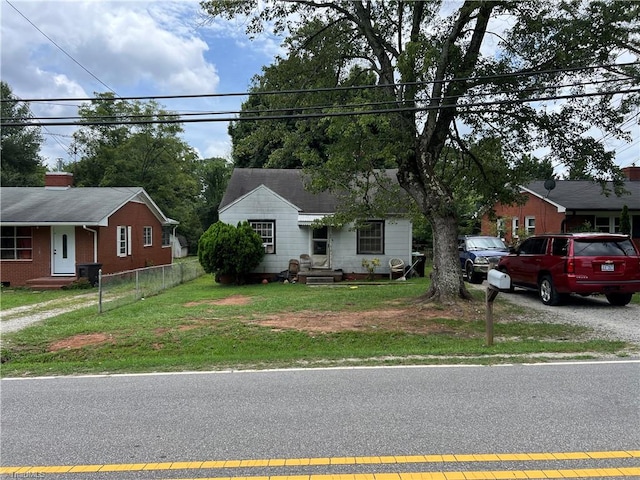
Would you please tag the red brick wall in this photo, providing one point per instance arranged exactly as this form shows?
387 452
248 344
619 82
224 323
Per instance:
548 220
136 215
17 272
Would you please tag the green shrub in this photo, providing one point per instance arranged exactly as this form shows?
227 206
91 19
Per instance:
225 250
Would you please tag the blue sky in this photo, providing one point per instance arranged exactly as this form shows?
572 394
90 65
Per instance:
145 48
136 48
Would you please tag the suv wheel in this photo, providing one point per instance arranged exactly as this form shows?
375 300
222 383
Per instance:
548 293
619 299
472 276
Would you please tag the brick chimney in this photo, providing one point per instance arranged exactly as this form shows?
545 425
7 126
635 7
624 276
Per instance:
632 173
58 180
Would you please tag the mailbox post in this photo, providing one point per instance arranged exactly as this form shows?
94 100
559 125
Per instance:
497 281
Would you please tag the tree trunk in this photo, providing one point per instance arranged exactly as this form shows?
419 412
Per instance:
446 278
435 201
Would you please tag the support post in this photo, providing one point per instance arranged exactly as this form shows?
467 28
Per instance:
492 293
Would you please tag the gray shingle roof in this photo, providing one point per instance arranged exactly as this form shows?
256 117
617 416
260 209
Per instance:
79 206
586 195
288 183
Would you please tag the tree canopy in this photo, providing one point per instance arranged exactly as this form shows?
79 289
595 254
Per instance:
22 165
147 154
465 94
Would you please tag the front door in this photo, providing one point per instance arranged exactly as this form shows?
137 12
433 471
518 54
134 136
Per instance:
64 250
320 257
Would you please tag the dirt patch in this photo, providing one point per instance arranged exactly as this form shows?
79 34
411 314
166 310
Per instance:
232 300
79 341
411 320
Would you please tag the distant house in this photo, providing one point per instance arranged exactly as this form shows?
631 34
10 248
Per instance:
569 206
278 207
49 232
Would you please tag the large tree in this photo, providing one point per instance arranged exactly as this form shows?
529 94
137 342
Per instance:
22 165
468 86
125 143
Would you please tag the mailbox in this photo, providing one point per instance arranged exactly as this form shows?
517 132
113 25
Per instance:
498 279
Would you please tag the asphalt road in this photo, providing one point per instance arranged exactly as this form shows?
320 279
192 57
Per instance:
322 413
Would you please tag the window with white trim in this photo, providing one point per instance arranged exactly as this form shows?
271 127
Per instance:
530 225
607 224
515 224
267 231
16 243
123 240
370 237
166 236
147 236
500 227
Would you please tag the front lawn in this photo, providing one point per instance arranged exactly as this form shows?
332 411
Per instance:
202 325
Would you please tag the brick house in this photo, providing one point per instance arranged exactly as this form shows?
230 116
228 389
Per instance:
571 205
49 233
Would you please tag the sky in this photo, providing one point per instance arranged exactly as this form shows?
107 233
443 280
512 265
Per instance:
74 48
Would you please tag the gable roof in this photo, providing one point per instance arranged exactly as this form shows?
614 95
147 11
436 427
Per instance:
586 195
70 206
287 183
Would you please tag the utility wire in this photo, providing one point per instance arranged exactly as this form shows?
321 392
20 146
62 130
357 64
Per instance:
88 122
307 107
479 80
59 48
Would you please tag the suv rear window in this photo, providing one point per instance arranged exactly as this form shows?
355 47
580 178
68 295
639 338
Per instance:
596 248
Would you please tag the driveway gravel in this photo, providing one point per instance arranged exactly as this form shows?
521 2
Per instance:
617 323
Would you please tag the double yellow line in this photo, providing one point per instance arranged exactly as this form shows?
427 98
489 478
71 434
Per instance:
633 471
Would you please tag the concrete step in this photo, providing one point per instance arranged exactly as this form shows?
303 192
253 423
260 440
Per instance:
319 280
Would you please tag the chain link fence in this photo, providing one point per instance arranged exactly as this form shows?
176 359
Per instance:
117 289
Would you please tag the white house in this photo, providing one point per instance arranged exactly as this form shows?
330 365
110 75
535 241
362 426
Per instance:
280 209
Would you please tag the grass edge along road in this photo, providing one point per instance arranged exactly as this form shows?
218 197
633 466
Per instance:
201 325
566 470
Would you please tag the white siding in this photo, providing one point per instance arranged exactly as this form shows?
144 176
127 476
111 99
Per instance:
292 240
397 244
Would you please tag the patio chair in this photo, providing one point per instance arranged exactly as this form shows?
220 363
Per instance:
396 265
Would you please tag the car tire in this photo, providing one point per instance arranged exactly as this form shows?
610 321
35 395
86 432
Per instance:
547 291
619 299
472 276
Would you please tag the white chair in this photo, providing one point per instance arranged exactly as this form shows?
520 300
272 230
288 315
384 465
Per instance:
396 265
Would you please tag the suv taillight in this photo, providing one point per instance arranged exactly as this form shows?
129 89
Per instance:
570 266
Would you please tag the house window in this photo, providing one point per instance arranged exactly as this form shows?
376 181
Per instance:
515 224
530 225
166 236
267 230
607 224
371 237
16 243
500 227
147 236
123 240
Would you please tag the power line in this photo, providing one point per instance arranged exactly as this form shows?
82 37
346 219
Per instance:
479 80
59 48
304 107
178 119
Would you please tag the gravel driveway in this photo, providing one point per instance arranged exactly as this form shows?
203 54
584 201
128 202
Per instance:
595 312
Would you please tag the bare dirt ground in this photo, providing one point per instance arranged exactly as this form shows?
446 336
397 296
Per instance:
409 319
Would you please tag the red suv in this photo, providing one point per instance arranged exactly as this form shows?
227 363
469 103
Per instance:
583 263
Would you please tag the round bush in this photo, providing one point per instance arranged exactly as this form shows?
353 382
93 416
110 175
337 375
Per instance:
227 250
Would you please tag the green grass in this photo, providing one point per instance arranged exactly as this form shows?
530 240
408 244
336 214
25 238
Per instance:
183 329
